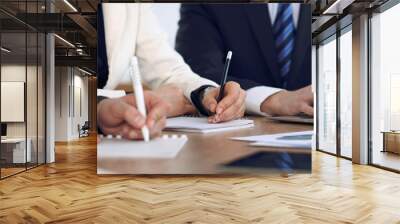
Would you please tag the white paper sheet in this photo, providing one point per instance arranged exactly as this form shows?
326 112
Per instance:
301 139
200 124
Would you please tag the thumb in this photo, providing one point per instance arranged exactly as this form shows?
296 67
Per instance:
307 109
210 101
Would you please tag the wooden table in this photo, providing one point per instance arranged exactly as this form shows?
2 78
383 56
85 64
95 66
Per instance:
205 153
391 141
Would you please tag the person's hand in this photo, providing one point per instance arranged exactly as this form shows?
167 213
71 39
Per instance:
174 97
230 107
289 103
119 116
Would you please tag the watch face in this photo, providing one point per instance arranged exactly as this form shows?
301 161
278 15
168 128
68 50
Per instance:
206 90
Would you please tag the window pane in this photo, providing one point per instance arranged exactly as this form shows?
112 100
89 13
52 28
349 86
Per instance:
327 97
346 94
31 97
385 88
15 150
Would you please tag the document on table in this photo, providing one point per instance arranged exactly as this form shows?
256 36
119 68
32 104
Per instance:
301 139
201 125
293 119
163 147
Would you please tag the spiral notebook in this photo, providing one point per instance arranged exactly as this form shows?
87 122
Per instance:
201 125
163 147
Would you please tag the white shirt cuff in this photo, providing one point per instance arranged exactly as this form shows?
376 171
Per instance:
111 93
256 96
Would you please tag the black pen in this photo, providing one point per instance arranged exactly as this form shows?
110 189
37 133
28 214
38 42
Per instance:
224 76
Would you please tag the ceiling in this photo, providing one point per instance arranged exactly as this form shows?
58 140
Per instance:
75 21
72 20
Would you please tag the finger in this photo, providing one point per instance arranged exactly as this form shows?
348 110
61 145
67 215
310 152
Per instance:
120 110
111 130
131 133
232 93
229 113
307 109
209 100
234 110
308 94
116 130
213 119
124 130
241 112
134 134
157 112
153 103
134 118
158 127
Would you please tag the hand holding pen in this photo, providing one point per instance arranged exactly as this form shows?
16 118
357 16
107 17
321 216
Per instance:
226 102
120 116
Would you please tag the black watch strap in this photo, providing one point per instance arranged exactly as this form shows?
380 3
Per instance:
197 97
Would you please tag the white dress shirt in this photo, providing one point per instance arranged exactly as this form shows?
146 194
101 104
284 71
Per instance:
133 30
256 95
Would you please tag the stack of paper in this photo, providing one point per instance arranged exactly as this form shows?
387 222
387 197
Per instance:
200 124
301 139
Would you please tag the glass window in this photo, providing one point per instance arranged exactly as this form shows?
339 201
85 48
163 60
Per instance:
22 87
385 87
31 96
327 96
14 151
346 94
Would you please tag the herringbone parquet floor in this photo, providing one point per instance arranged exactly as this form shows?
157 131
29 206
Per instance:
69 191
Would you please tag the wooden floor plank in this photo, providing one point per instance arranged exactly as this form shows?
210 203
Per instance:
69 191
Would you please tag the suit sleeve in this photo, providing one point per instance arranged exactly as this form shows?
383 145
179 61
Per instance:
200 43
160 64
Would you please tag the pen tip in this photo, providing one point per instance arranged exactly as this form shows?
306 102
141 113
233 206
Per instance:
229 55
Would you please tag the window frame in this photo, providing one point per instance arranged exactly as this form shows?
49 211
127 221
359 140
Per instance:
378 10
342 27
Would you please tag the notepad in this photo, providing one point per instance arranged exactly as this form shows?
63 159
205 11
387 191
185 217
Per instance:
164 147
201 125
301 139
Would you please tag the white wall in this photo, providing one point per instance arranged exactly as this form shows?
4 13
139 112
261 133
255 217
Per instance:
80 85
168 17
61 103
69 85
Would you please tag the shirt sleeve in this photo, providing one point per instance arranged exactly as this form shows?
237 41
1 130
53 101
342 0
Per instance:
160 64
256 96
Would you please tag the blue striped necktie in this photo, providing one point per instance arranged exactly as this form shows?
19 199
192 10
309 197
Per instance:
284 34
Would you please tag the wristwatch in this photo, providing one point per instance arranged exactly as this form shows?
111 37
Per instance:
197 99
205 91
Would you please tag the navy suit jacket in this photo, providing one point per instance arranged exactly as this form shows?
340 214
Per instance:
208 31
